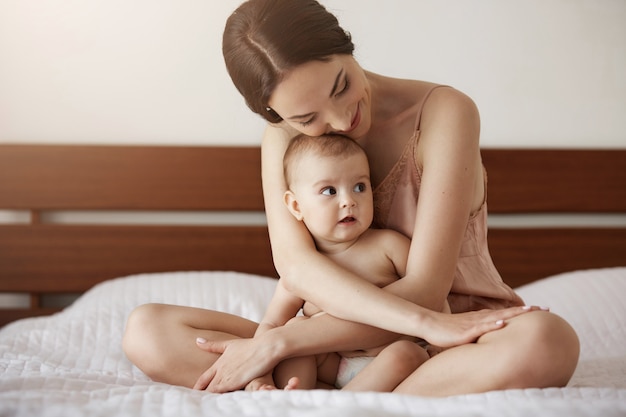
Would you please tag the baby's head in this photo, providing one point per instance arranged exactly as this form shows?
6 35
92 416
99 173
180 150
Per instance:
325 146
329 186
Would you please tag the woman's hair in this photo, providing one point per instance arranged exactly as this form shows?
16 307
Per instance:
325 146
264 39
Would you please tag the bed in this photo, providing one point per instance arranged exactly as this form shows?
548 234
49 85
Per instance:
90 232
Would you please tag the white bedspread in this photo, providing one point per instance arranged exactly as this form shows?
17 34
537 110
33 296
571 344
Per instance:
71 364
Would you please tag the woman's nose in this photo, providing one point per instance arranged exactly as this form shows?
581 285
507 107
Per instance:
339 121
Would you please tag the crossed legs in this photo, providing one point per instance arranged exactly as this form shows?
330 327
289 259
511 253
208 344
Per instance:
536 349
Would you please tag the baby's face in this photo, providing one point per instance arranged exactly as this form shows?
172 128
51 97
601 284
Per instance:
334 196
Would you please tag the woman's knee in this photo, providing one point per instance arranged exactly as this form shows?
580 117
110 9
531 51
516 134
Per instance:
141 325
548 348
563 347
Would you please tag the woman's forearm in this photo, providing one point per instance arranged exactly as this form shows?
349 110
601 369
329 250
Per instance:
343 294
322 334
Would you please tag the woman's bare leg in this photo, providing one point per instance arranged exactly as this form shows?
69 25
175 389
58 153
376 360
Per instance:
389 368
160 340
537 349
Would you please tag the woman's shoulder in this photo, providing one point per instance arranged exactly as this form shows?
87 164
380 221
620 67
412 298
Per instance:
279 131
407 92
276 137
445 100
433 95
449 113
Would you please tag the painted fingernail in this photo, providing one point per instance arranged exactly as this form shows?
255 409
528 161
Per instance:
200 340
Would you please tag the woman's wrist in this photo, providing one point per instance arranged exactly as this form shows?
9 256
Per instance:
419 322
276 341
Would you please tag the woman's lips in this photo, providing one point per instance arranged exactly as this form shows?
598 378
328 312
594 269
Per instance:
355 121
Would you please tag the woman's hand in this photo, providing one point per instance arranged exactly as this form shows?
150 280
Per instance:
448 330
242 361
263 383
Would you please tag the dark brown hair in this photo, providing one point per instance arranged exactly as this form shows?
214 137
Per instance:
325 145
264 39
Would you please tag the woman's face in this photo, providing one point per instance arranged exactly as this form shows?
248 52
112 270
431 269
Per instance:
319 97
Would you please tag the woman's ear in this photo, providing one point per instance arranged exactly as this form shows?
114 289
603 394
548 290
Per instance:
292 204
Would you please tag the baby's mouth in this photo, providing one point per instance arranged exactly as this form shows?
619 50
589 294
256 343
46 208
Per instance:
348 219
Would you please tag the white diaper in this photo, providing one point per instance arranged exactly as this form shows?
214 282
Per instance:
349 367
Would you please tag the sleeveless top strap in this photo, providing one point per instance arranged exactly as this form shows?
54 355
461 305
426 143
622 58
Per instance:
421 106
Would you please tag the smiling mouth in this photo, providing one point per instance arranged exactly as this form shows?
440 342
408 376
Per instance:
355 121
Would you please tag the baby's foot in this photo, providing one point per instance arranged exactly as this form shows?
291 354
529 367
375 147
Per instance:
292 383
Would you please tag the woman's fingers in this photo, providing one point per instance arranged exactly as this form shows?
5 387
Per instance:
460 328
508 313
496 319
213 346
205 379
240 361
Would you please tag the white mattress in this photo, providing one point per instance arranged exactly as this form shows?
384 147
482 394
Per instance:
71 364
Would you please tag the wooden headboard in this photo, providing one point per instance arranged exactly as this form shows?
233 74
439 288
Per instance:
40 257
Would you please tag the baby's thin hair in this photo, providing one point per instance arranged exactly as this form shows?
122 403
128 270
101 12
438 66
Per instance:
325 146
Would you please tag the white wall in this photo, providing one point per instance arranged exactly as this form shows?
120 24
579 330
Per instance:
543 72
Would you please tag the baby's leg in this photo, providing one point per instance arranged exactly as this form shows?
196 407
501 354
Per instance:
304 369
308 372
389 368
161 340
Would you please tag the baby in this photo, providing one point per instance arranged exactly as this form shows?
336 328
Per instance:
329 190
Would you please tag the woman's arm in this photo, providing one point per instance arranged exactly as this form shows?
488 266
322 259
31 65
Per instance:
452 187
311 275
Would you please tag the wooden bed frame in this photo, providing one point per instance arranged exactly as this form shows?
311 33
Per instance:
39 257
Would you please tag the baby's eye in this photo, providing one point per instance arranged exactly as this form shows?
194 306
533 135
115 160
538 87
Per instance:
329 191
360 187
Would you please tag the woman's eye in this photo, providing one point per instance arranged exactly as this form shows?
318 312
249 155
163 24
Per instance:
360 187
329 191
346 85
306 123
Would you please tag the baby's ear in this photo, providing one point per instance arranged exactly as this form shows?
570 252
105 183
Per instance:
292 204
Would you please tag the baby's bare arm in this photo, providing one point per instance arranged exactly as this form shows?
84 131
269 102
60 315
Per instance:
283 307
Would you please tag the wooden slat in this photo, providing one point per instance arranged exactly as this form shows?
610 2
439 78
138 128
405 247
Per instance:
228 178
567 181
72 258
130 177
525 255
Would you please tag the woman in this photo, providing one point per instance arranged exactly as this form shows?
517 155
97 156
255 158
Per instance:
293 64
